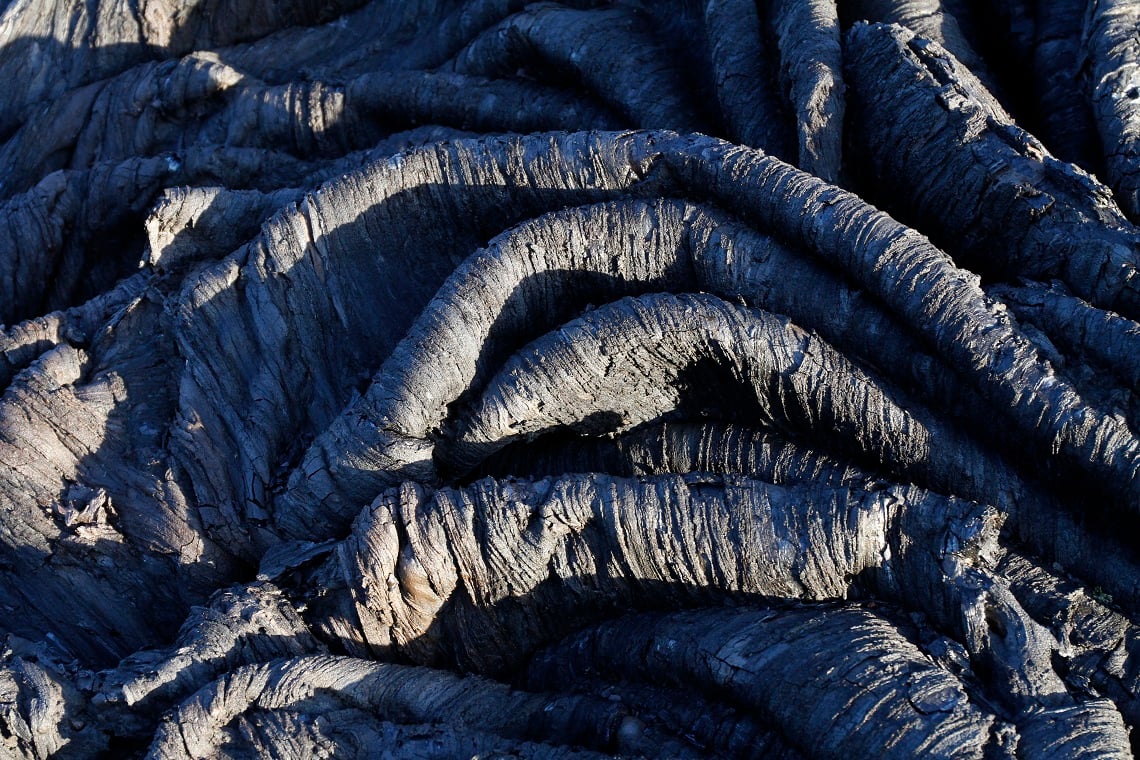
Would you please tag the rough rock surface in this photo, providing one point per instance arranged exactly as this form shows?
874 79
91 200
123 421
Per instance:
455 378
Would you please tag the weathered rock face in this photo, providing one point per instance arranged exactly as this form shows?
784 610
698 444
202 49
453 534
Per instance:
442 379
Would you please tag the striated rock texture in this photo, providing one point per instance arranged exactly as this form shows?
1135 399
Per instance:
688 378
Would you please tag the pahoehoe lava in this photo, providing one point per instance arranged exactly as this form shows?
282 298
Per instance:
492 378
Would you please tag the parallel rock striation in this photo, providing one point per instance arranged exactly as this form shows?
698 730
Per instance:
574 379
